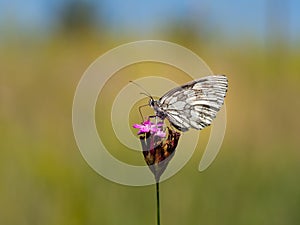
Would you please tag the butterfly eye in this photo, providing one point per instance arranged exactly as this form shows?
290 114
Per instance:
151 102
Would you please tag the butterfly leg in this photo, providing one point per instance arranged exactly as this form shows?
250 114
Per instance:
154 116
142 106
157 121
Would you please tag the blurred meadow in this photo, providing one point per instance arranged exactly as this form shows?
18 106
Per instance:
45 50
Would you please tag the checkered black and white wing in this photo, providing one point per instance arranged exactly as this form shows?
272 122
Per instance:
194 104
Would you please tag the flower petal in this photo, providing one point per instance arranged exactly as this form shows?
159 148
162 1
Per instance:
160 133
138 126
147 123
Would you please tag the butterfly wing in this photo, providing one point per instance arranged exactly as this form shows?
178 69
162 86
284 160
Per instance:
194 104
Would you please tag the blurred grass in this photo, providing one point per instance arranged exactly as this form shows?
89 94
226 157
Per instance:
44 179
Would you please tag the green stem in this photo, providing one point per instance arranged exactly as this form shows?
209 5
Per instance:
157 202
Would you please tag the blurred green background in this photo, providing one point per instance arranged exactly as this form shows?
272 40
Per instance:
45 47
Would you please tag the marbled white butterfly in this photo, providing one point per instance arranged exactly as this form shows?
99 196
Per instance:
194 104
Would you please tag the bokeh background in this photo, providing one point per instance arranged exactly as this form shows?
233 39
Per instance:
45 47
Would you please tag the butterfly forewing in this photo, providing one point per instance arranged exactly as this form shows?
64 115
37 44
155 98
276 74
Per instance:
194 104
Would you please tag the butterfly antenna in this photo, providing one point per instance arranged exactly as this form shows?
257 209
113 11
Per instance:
145 91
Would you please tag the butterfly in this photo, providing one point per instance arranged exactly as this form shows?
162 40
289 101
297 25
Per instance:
194 104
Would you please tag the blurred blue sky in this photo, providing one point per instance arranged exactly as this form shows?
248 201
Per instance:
232 18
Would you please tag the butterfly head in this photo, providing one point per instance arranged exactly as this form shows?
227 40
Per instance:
151 102
158 111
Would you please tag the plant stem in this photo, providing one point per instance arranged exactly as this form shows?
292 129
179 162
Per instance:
157 202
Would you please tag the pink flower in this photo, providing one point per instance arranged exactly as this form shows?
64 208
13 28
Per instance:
147 126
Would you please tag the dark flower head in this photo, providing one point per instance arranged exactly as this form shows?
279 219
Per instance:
158 145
